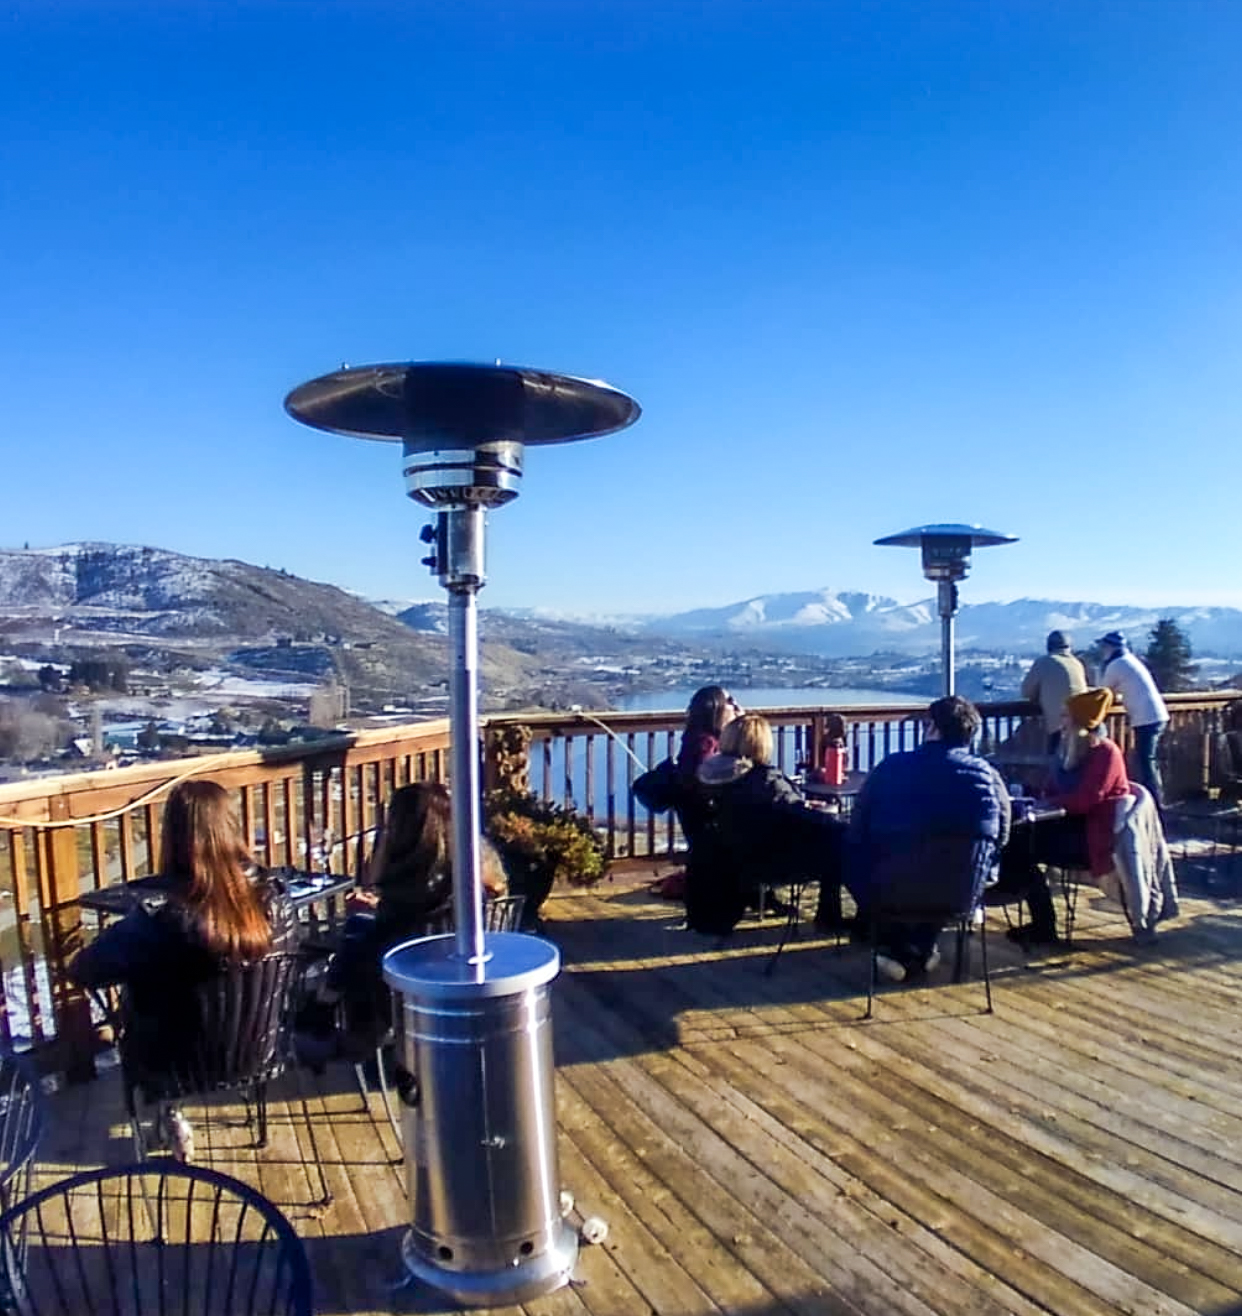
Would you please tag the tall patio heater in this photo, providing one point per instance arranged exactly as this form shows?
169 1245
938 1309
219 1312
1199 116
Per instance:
480 1126
946 560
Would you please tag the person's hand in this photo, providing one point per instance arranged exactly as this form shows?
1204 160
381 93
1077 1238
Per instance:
363 900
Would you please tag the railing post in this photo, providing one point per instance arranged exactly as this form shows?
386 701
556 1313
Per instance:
62 922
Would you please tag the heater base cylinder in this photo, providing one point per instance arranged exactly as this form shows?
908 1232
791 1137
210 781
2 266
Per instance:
480 1129
526 1279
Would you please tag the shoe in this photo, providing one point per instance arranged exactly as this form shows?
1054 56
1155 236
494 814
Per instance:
976 919
887 967
932 962
1145 937
180 1136
1027 935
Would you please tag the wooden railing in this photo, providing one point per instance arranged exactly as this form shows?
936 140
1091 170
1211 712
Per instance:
317 805
588 761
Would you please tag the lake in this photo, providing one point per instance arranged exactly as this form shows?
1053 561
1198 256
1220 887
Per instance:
569 756
767 697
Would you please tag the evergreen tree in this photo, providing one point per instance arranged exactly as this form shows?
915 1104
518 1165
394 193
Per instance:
1168 656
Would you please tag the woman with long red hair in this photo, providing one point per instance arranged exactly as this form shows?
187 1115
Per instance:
220 908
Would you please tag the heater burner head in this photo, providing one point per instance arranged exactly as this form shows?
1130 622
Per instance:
486 476
436 406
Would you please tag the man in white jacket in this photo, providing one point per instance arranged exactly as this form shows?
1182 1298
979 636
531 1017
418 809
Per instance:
1127 676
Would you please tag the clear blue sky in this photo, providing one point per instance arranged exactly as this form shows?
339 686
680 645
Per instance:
865 265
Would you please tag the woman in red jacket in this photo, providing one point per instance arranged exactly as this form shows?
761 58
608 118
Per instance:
1088 777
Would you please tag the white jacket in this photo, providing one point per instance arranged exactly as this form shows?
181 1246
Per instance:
1142 866
1127 676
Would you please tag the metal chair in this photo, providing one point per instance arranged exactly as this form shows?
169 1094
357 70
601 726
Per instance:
158 1237
22 1117
501 914
22 1120
236 1036
937 879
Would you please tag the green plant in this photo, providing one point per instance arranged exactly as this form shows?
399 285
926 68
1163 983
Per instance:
543 841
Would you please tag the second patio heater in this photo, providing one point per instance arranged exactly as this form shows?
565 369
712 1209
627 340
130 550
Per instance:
480 1124
946 560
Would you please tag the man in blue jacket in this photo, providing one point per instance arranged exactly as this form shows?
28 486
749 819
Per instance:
918 811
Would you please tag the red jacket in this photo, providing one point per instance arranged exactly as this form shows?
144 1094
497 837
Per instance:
1101 779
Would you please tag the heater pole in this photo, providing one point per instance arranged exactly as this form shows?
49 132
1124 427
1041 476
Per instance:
462 575
947 592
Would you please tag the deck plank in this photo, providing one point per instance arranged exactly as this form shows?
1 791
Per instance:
756 1148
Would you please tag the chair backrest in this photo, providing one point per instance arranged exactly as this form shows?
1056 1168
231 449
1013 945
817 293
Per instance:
22 1115
503 913
152 1238
1233 747
235 1032
934 876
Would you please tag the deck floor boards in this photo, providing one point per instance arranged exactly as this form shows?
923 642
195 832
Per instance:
757 1149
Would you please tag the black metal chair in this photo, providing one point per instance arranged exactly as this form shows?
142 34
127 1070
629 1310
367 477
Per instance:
236 1036
22 1118
935 880
811 854
158 1237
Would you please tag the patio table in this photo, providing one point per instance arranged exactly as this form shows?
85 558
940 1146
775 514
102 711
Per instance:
306 890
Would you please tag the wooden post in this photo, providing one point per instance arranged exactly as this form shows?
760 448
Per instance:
62 923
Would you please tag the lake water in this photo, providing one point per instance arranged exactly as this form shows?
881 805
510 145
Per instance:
569 764
758 699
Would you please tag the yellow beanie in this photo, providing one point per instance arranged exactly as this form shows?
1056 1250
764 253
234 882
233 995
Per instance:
1090 708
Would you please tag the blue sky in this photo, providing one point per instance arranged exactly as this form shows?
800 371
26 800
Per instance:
864 265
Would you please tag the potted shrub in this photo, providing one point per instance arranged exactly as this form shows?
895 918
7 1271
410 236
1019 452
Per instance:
541 844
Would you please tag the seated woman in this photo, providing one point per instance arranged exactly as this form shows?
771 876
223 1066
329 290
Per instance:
220 909
406 892
759 830
1088 777
674 783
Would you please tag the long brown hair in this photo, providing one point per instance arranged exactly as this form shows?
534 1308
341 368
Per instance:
202 847
416 840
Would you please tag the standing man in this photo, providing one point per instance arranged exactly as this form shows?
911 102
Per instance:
1051 681
909 802
1125 675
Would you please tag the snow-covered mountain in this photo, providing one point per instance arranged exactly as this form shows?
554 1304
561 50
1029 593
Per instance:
848 623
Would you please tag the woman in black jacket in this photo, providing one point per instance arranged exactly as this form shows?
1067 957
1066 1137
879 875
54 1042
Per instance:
407 892
219 909
760 832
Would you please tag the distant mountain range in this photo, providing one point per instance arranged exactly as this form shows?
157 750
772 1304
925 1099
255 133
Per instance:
179 608
847 623
852 624
123 593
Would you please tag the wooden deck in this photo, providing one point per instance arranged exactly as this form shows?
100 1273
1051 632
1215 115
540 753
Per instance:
756 1149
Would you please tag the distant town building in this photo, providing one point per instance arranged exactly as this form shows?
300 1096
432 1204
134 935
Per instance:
329 704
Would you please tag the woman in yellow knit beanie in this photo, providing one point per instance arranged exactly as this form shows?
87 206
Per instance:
1090 773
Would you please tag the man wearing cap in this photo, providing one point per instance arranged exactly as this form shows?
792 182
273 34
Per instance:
1125 675
1051 681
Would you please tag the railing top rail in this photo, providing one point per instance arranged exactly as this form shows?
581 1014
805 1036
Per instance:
642 720
163 772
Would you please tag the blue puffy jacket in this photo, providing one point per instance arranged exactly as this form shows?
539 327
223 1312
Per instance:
909 805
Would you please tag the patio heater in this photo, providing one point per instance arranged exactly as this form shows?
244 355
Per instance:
946 560
480 1126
